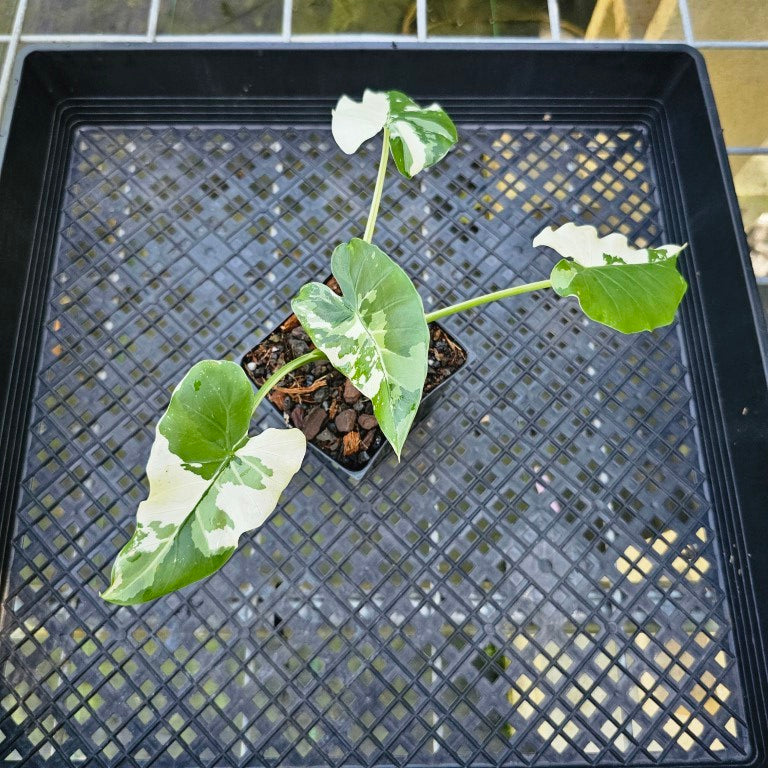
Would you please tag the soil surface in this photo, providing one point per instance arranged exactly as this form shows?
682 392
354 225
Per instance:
324 404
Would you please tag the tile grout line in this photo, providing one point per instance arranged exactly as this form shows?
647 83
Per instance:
421 20
224 39
287 19
350 38
554 19
747 150
344 37
746 44
10 54
83 38
685 18
154 14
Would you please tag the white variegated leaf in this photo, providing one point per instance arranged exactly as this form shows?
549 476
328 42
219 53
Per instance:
208 484
375 333
583 244
419 136
625 288
354 122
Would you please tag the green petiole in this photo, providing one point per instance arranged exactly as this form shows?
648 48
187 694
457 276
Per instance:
283 371
486 298
378 189
438 314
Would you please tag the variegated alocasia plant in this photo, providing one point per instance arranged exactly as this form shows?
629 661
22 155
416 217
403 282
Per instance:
209 482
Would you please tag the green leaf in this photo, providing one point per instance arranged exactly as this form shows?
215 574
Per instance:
375 333
208 415
419 136
208 483
624 288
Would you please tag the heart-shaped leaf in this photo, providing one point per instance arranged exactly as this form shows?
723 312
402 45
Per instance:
208 483
619 286
419 136
374 333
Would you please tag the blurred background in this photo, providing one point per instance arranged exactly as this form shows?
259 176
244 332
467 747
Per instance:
733 37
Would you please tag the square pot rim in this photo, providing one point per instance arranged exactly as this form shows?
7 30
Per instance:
428 398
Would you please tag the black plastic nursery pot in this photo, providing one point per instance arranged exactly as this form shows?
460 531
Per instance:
447 358
566 566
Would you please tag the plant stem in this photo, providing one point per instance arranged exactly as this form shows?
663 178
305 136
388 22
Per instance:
494 27
316 354
377 190
282 372
438 314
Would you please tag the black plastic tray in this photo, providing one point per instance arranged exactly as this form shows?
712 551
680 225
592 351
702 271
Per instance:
566 568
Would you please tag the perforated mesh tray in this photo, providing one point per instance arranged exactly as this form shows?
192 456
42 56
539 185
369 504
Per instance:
559 570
